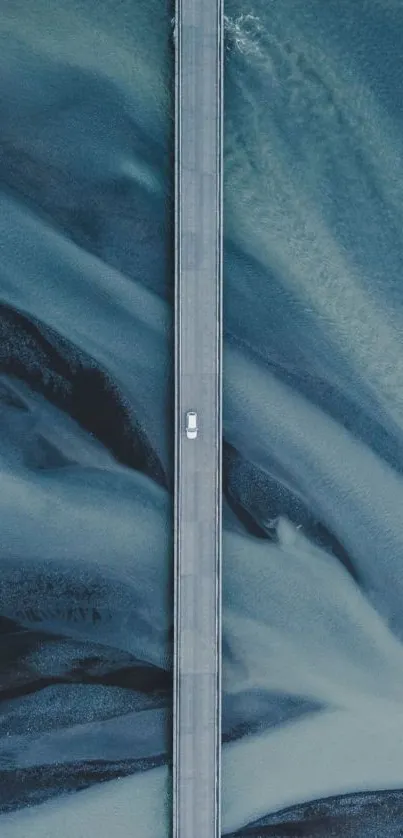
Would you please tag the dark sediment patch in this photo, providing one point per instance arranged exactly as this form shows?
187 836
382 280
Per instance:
73 382
362 815
33 786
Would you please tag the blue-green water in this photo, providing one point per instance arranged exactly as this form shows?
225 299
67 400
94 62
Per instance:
313 540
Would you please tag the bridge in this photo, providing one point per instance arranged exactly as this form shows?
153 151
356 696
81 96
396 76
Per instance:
198 386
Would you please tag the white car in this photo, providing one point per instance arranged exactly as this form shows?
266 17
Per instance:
191 424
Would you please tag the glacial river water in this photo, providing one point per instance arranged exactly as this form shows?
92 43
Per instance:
313 418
